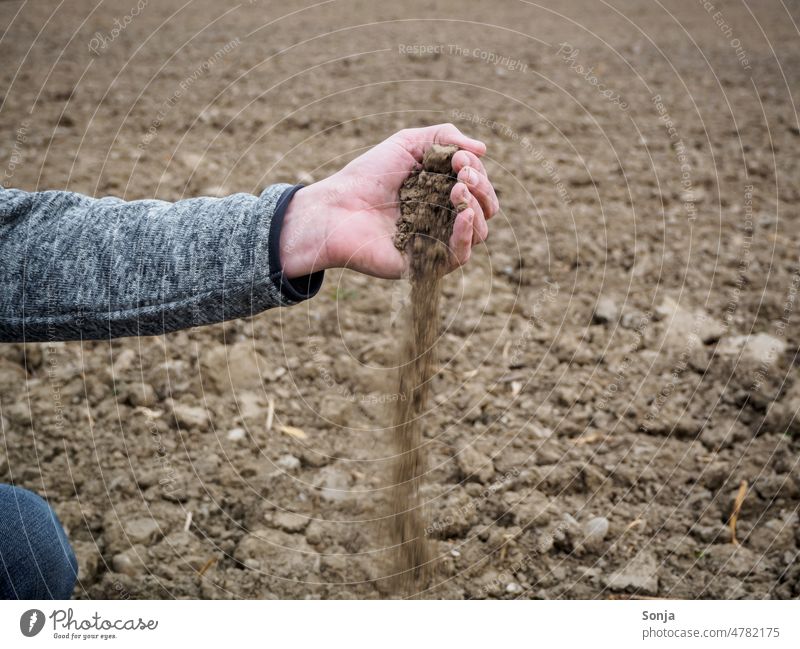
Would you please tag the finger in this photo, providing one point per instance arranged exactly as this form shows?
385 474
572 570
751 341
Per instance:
482 189
449 134
461 197
418 140
461 239
463 158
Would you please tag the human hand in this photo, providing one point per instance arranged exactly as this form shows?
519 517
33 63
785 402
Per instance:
348 220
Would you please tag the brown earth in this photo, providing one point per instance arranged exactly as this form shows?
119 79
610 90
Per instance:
423 232
618 357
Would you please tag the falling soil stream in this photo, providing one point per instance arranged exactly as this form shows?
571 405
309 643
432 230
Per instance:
423 231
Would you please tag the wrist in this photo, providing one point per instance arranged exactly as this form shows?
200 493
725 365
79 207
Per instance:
303 237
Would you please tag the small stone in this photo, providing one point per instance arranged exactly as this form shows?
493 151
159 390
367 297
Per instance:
735 560
455 553
685 328
567 534
334 485
474 465
311 457
315 533
191 416
758 348
289 521
513 588
533 509
251 406
142 394
142 531
12 375
286 556
234 368
541 432
338 410
237 434
605 311
126 563
594 533
288 462
639 575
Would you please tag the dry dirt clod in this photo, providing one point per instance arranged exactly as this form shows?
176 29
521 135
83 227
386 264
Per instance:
423 230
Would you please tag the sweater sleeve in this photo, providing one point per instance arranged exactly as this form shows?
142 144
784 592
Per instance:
74 267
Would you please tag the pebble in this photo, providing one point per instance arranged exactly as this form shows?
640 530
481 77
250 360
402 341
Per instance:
474 465
234 367
125 564
605 311
758 348
594 533
315 533
237 434
285 556
142 530
338 410
334 485
142 394
683 327
513 588
289 521
639 575
288 462
191 416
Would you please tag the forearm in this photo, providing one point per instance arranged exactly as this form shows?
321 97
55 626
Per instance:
75 267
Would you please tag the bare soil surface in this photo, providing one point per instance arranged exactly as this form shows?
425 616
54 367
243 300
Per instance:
617 358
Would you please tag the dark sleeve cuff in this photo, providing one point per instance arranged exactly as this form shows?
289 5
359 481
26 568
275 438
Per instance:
296 289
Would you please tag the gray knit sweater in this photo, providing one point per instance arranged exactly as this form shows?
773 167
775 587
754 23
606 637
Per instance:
74 267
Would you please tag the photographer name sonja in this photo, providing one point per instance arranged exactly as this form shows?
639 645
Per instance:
64 620
662 616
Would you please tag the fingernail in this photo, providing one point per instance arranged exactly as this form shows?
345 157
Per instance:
470 175
465 193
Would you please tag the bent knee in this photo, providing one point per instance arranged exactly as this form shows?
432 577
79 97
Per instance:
36 560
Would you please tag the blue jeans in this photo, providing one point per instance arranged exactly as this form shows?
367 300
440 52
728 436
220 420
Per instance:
36 560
